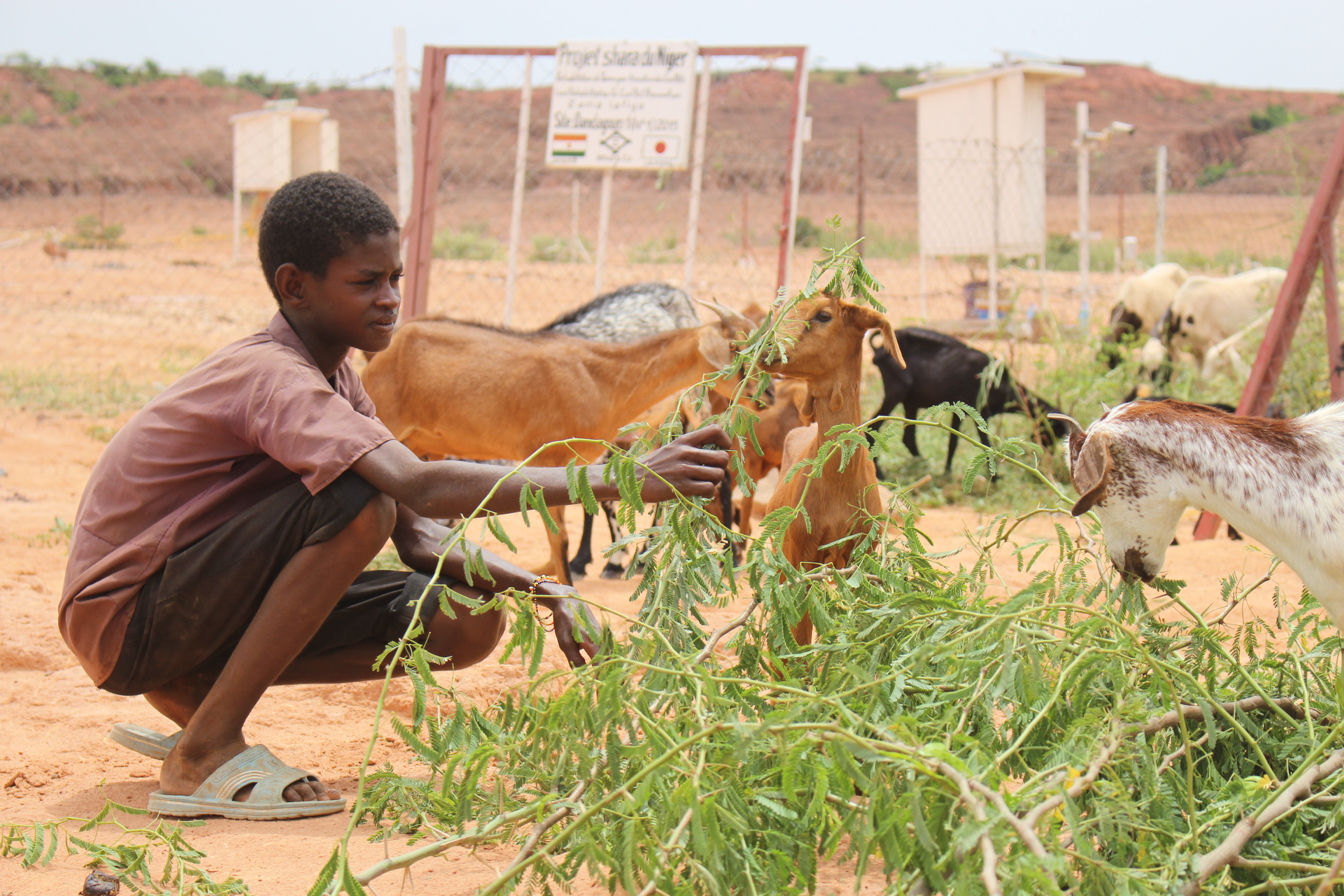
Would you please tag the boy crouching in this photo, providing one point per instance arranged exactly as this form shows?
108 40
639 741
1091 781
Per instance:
221 543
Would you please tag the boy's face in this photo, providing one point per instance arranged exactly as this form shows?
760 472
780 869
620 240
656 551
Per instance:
356 304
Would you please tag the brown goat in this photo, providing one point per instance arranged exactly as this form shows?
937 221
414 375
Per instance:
446 388
828 356
773 425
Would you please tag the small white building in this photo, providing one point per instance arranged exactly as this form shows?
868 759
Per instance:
982 163
275 144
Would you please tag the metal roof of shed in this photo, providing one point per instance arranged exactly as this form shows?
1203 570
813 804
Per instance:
1044 71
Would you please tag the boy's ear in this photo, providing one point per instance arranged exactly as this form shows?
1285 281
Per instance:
289 283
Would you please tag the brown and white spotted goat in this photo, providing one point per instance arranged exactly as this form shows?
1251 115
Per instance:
1278 481
842 502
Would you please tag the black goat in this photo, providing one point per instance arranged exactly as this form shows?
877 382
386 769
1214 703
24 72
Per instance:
941 368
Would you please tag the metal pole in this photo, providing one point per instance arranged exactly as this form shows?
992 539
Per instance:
401 120
519 182
1159 238
1084 226
795 171
1330 288
697 171
858 188
603 224
576 247
994 201
237 219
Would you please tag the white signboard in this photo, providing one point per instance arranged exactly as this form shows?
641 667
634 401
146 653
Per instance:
624 105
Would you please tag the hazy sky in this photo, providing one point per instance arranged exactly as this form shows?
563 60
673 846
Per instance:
1298 45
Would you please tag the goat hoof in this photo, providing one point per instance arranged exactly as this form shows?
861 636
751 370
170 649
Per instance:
612 571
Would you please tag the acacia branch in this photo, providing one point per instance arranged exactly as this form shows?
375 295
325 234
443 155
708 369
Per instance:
1080 785
1229 850
666 852
541 827
1191 711
720 633
1332 876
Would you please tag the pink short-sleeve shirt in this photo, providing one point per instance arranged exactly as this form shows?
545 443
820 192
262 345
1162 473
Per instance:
247 421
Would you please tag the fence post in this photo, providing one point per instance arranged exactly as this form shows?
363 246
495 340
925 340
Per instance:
1159 236
428 148
519 184
795 172
1084 225
603 225
401 122
858 188
697 171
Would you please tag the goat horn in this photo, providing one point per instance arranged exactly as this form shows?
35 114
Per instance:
1105 409
1075 428
726 314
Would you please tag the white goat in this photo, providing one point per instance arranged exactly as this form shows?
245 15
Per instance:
1143 300
1208 310
1277 481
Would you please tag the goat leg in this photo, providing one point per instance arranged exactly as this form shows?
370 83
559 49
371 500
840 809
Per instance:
726 512
559 546
615 567
578 567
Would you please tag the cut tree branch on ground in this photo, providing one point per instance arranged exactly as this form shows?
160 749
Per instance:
1226 852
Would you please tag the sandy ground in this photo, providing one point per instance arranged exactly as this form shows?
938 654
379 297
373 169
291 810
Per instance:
130 321
55 760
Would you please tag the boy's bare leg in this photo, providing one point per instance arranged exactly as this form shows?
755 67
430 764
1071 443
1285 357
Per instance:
299 600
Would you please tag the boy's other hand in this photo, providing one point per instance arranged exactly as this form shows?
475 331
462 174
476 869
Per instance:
693 465
576 631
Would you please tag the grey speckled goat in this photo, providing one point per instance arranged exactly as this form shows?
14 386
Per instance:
628 314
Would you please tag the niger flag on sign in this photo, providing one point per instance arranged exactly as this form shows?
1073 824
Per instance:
569 144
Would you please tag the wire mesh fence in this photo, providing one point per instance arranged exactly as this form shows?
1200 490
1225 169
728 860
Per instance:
116 218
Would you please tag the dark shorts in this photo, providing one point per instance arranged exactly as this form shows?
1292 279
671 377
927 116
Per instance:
190 615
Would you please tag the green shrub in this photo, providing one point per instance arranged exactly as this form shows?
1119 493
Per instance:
549 248
470 244
1062 250
91 234
658 250
806 234
896 80
1275 115
1214 173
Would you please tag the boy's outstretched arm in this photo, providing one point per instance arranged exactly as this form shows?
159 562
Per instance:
419 542
692 465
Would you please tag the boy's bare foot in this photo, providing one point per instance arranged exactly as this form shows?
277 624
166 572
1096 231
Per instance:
182 773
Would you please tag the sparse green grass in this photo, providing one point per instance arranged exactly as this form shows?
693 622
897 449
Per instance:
471 243
53 390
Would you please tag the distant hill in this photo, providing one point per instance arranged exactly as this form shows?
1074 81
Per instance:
68 130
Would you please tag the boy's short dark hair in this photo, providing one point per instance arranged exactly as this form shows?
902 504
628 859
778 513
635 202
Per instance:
314 218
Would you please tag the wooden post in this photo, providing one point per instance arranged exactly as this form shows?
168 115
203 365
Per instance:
786 230
1330 290
603 225
1160 228
401 124
428 153
858 188
697 172
1278 340
519 184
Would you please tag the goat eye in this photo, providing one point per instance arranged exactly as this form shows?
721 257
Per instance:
822 316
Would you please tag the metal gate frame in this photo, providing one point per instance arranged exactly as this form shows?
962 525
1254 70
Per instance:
1316 247
430 118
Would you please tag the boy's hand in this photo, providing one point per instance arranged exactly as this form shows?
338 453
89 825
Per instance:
576 631
693 465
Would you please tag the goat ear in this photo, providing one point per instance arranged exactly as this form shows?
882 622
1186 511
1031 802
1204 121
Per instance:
714 346
807 408
869 319
1090 470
